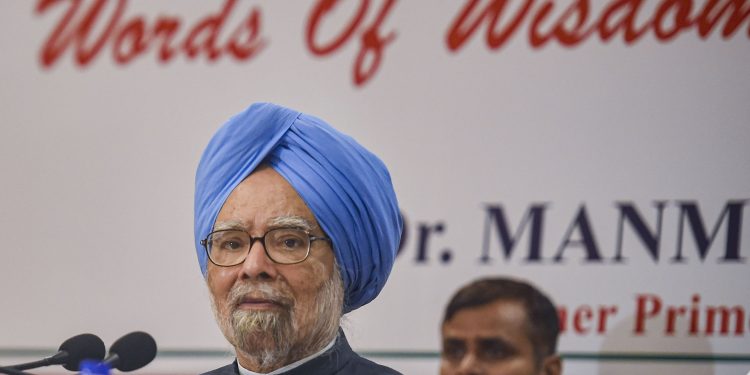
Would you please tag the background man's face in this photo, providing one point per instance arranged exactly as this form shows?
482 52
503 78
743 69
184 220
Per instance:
488 339
260 305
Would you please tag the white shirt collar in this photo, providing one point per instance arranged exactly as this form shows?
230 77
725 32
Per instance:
244 371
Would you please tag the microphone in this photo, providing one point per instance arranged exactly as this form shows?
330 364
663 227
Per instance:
131 352
71 353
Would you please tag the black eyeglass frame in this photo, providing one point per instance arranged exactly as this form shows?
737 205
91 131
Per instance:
262 240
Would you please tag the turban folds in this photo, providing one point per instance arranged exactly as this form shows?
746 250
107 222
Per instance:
346 187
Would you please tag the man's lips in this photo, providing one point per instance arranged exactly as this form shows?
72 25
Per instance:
253 303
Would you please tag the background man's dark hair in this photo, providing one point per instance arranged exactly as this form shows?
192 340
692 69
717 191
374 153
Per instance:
543 324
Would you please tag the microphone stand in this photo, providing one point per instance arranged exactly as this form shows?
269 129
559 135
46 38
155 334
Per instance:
49 361
12 371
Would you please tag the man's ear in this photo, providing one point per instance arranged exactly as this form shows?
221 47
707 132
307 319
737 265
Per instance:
552 365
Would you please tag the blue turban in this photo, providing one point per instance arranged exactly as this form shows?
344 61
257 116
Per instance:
347 188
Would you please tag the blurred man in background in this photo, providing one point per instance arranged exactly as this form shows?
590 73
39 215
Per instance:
500 326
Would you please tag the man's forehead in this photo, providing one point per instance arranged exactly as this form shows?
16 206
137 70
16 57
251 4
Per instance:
499 315
494 322
264 199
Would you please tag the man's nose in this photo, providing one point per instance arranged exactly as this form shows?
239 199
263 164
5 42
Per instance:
257 265
470 365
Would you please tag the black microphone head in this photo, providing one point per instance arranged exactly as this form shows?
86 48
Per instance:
78 348
134 350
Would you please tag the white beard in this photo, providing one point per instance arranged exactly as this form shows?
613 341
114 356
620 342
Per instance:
272 338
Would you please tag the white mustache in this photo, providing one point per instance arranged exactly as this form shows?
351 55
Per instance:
239 292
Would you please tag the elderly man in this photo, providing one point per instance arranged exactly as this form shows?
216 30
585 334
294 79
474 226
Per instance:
296 224
500 326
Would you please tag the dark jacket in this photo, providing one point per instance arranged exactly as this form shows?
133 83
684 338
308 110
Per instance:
339 360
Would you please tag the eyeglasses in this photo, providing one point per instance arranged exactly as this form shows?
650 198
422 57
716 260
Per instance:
231 247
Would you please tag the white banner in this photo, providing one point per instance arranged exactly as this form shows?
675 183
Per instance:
598 149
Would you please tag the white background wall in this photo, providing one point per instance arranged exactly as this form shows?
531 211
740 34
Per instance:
97 166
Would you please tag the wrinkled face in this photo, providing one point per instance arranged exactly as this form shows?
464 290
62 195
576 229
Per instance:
274 314
489 339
